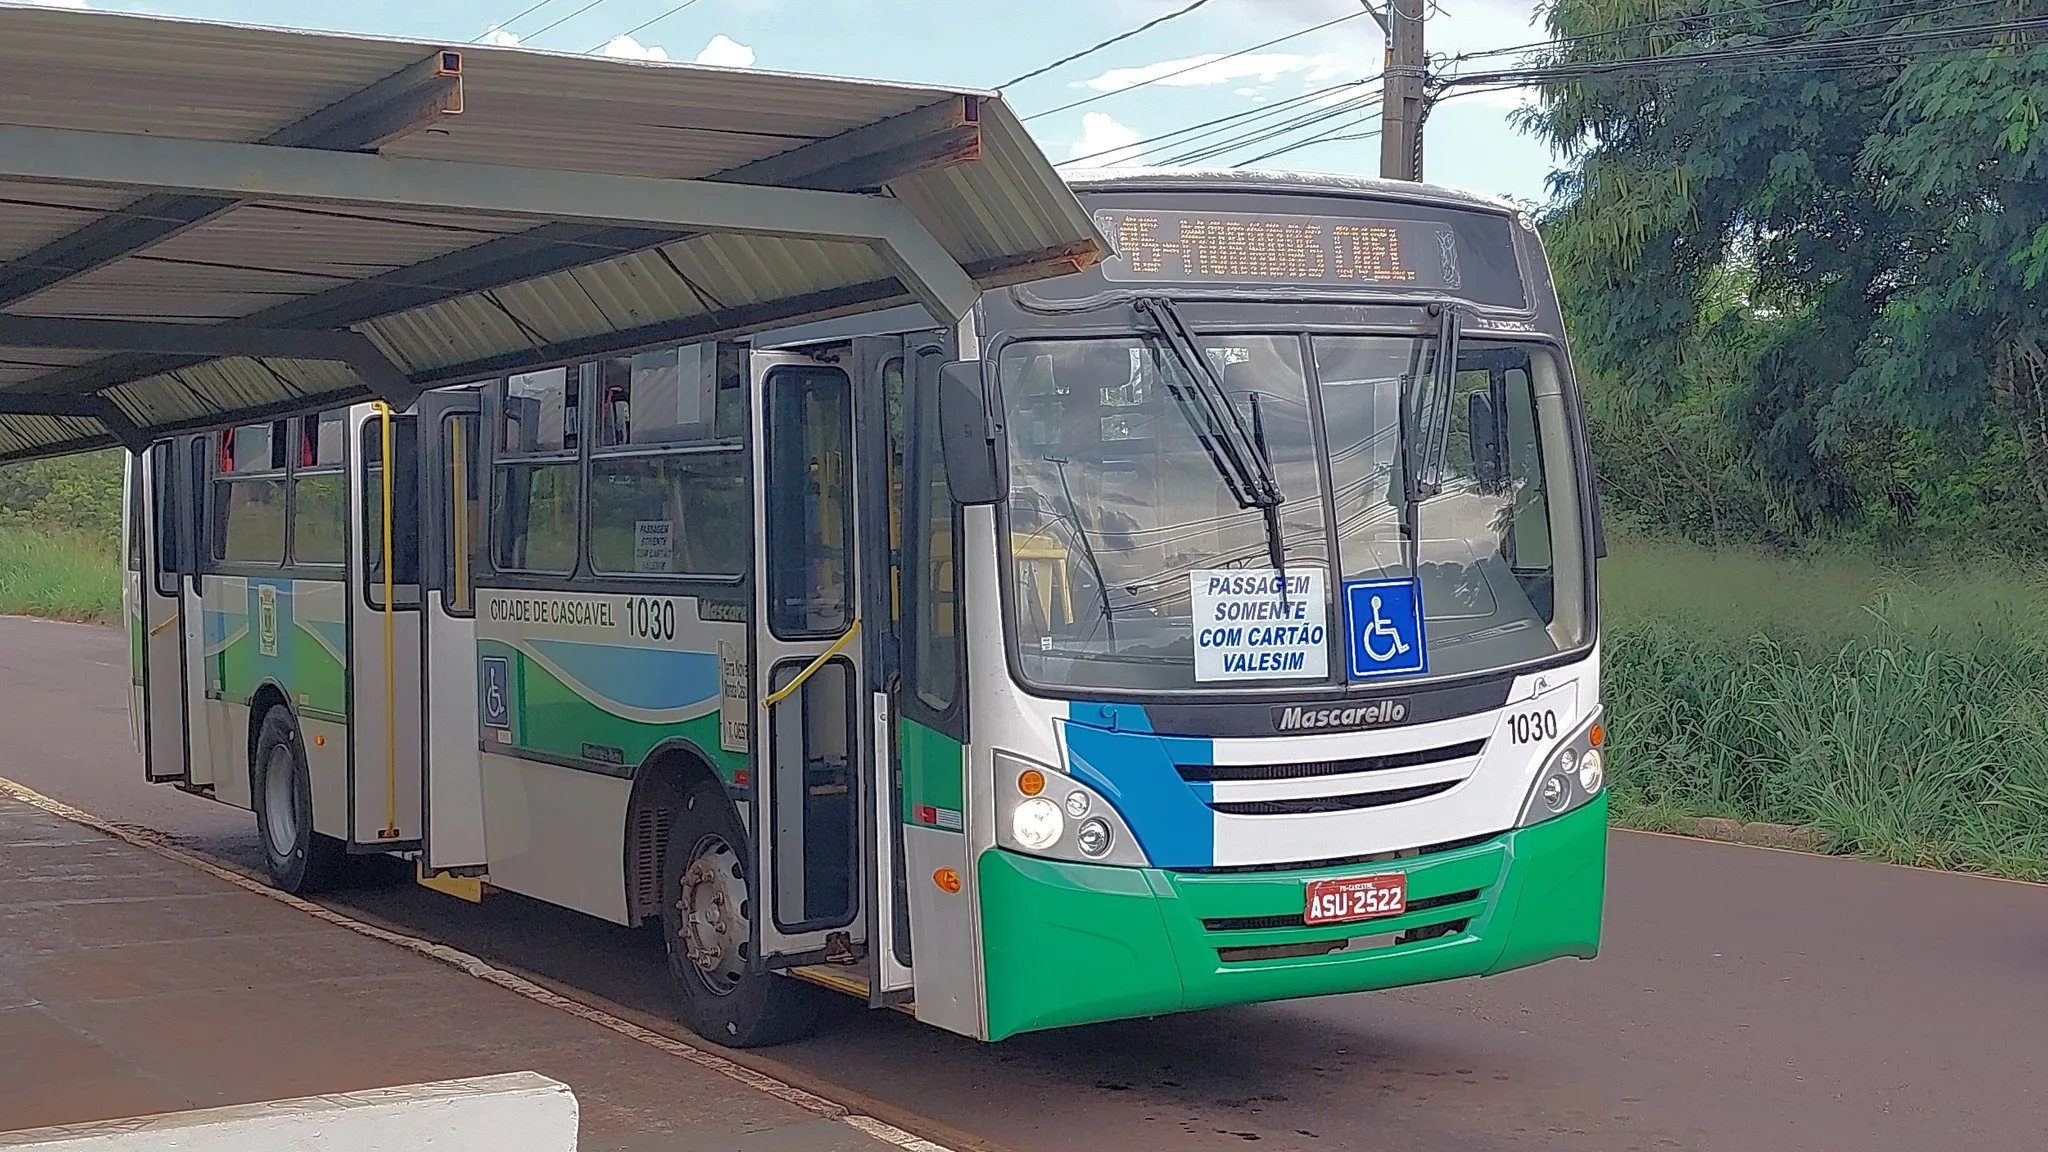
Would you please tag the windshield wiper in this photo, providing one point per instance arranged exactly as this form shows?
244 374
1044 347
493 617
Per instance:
1238 455
1422 456
1073 517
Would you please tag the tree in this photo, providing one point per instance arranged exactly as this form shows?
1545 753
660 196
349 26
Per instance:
1889 202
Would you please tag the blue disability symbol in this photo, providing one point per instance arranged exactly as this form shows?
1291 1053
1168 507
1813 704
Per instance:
1384 624
497 677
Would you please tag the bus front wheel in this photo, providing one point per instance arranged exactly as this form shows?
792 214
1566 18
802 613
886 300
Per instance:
297 858
707 922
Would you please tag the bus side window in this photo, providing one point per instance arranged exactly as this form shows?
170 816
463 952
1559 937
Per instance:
405 504
132 529
810 502
248 499
934 657
536 476
319 495
465 512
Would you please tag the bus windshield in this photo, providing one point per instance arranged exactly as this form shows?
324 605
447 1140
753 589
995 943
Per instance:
1120 517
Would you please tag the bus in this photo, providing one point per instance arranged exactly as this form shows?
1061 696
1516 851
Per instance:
1214 626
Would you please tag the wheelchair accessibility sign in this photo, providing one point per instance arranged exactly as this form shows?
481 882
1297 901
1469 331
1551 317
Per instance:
497 686
1383 628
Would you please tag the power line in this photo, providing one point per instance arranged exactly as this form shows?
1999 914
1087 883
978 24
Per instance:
1650 65
506 25
646 24
564 20
1195 67
1298 145
1118 38
1215 148
1191 132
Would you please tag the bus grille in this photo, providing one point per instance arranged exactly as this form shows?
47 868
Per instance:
1325 786
1310 769
1307 805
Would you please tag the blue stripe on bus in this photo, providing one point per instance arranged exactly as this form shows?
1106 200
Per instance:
1135 770
652 679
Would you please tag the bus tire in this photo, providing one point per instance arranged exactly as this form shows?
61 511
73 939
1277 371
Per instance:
706 931
295 857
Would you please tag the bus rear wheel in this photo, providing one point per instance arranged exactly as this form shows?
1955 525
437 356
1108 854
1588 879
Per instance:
296 858
707 927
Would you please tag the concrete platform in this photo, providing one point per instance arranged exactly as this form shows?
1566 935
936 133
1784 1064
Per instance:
131 984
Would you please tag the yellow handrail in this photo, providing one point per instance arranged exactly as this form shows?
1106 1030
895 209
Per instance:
390 643
782 693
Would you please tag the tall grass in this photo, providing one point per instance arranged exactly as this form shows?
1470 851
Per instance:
1905 712
63 575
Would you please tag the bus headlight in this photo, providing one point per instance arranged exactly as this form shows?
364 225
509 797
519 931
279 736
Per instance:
1094 838
1571 775
1037 823
1058 816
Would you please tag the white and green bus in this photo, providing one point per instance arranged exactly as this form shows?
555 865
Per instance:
1213 626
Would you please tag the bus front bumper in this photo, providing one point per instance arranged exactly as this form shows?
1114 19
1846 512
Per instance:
1067 944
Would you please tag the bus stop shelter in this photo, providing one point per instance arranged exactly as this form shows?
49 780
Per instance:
202 223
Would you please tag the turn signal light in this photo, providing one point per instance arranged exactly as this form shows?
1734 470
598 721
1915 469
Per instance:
1597 736
947 879
1031 782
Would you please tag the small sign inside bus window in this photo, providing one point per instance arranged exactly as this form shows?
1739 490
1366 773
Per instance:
1193 247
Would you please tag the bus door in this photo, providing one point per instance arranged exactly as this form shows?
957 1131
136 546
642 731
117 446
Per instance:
165 719
384 785
450 521
887 367
814 738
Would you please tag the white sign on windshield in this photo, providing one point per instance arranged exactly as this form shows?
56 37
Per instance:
1245 629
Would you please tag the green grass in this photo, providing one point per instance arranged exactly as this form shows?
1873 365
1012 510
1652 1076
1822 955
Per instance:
62 575
1904 712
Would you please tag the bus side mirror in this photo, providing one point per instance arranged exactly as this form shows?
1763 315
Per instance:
1487 466
968 439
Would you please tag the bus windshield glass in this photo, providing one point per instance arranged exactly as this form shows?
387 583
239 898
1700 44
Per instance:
1134 567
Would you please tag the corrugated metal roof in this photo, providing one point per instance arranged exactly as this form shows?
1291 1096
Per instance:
446 294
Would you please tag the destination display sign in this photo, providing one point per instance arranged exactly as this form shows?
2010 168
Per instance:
1209 241
1197 247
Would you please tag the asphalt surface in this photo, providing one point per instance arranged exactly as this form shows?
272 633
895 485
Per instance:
1746 1000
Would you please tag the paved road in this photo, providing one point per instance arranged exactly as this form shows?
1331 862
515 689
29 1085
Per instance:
1748 1001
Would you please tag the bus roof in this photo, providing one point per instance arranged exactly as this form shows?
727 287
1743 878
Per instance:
204 223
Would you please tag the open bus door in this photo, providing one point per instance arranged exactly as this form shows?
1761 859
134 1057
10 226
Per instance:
815 737
450 521
385 793
161 652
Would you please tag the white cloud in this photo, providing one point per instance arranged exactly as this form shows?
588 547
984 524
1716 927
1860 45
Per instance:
1104 141
501 38
627 48
726 53
1209 68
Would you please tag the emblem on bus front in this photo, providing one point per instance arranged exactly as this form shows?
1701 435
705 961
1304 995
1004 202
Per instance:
1296 718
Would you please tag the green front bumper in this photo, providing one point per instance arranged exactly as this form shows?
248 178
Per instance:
1072 944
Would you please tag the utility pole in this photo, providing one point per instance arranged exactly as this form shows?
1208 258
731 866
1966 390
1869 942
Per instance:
1401 99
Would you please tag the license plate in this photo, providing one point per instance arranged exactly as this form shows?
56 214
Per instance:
1358 898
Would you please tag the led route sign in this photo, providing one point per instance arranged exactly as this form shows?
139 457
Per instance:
1192 247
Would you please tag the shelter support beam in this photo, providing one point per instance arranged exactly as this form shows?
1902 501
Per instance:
269 172
379 375
395 106
864 159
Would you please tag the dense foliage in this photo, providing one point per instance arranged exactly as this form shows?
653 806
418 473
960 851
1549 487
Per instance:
1810 291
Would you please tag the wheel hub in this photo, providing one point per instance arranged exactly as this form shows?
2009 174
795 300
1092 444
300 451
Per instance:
714 929
281 821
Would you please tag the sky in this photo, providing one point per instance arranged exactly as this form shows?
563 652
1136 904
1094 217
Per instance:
1469 141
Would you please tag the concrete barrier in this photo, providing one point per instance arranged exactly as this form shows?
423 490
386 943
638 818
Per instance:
514 1112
